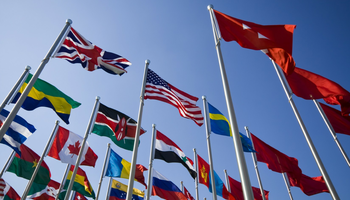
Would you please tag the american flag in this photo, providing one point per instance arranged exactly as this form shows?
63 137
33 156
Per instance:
77 49
159 89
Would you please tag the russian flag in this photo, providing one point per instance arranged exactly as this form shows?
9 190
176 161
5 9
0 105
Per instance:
164 188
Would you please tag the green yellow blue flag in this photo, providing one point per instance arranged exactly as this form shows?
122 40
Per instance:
221 126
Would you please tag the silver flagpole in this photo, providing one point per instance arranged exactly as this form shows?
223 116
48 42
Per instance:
15 88
306 134
47 147
63 181
330 127
109 188
137 136
208 131
256 165
196 167
25 93
227 181
151 158
103 169
8 162
242 166
182 186
88 131
286 181
73 195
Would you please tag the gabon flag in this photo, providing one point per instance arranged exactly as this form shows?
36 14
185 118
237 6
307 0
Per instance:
66 147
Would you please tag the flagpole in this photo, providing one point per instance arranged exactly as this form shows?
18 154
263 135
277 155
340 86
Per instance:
287 185
103 169
137 136
330 127
47 147
73 195
242 166
8 162
151 158
208 131
26 91
306 134
63 181
15 88
88 131
196 167
256 165
227 181
182 186
109 188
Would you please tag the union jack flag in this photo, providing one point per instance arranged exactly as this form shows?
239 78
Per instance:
77 49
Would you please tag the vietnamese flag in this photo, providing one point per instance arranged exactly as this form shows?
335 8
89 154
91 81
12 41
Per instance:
276 41
24 166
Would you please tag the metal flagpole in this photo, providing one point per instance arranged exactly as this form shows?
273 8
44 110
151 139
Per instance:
25 93
306 134
73 195
286 181
330 127
182 186
256 165
196 167
47 147
227 181
8 162
88 131
15 88
109 188
208 131
63 181
151 158
137 136
242 166
108 152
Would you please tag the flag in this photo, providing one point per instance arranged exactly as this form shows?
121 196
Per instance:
81 184
309 185
168 151
78 196
119 191
340 124
205 179
44 192
159 89
308 85
276 41
43 94
118 167
66 147
187 194
77 49
24 166
164 188
17 133
275 160
237 192
221 126
117 126
7 192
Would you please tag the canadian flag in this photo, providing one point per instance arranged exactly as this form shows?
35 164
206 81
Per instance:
66 147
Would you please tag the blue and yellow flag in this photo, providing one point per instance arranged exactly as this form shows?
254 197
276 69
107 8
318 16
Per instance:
221 126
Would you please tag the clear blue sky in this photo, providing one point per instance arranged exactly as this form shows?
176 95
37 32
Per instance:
176 36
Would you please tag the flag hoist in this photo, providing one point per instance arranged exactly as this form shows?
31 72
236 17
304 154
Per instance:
242 166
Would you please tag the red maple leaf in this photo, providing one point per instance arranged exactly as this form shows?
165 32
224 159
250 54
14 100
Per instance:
74 149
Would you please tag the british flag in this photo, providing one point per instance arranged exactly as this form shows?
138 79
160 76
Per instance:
76 49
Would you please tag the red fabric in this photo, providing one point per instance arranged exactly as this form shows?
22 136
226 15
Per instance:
204 171
308 85
187 194
340 124
50 191
11 193
139 174
310 185
275 40
30 156
79 196
236 190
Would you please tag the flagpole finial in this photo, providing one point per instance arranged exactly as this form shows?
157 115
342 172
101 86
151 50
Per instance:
57 122
153 125
246 127
210 6
98 98
147 61
27 67
69 21
194 149
204 97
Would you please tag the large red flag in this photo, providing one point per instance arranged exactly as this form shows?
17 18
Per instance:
237 192
310 185
308 85
274 40
340 124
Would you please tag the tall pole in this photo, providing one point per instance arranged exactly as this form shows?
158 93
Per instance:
88 131
287 185
109 188
196 167
151 158
8 162
227 181
242 166
255 161
47 147
182 186
26 91
137 136
63 181
15 88
208 131
306 134
330 127
103 171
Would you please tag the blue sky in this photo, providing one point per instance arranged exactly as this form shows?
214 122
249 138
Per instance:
176 36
